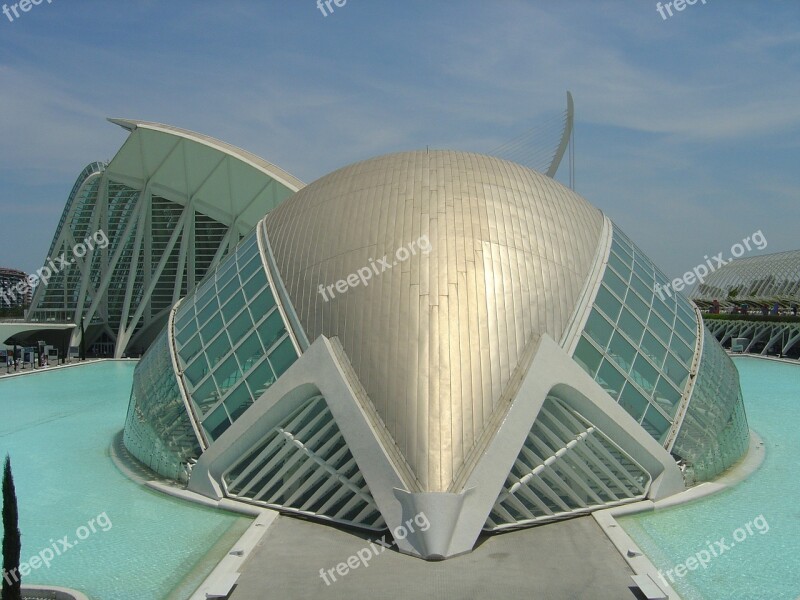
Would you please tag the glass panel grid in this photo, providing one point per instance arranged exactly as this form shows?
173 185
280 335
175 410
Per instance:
233 342
645 364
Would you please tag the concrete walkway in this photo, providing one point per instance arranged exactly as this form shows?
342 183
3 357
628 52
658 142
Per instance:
570 560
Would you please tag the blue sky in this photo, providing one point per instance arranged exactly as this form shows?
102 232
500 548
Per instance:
687 129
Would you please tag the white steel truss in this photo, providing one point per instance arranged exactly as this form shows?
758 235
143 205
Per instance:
566 467
776 336
171 204
304 464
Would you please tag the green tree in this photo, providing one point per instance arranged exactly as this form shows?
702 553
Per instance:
12 539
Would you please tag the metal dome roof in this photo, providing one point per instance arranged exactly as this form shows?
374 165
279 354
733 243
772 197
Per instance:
436 338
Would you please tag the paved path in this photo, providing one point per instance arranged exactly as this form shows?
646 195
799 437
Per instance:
570 560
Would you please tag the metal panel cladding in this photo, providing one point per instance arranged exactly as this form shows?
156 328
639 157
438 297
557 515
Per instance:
436 336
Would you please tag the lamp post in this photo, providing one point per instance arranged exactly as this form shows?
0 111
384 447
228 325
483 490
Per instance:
83 340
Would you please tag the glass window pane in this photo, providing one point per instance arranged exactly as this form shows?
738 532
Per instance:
197 370
642 268
205 314
619 287
253 286
660 328
260 379
262 303
622 239
230 288
252 266
633 402
283 356
644 374
631 326
184 318
190 350
233 306
246 245
682 351
240 325
608 304
182 315
610 379
226 272
211 328
218 349
686 311
676 371
205 293
688 318
185 333
227 374
587 356
655 424
205 396
216 424
271 329
599 329
621 351
654 349
638 306
661 279
667 397
663 309
620 267
645 290
686 334
238 401
623 253
250 352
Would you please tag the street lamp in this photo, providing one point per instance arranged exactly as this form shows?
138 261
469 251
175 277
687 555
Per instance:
83 340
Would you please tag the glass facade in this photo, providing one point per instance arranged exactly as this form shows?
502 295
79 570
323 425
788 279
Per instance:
10 297
755 280
638 344
157 429
231 340
58 300
714 433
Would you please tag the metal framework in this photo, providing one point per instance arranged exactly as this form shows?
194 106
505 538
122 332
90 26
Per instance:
756 281
533 148
9 296
171 204
304 464
567 466
776 336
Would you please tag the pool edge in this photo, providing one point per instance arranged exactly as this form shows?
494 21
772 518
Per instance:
630 551
227 570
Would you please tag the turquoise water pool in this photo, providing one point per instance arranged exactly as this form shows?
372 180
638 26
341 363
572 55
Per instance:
759 563
58 426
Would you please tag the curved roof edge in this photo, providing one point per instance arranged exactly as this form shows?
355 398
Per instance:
284 177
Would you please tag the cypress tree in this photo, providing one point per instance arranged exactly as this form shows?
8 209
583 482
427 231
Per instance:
12 544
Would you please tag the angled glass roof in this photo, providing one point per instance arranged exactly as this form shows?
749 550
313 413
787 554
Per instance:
757 280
